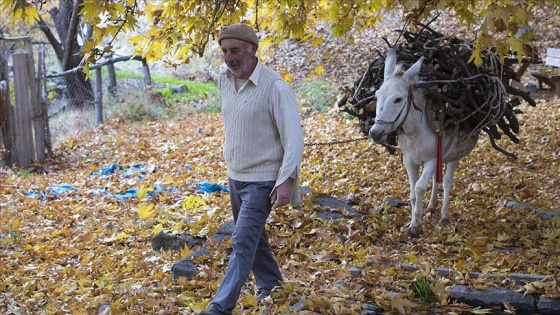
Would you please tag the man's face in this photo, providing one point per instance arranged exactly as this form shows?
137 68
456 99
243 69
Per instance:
239 56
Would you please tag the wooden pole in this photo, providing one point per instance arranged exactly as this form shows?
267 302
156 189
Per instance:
22 134
112 78
98 97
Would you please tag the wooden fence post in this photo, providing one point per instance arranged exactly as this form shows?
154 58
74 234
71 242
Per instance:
44 98
22 144
5 137
112 88
98 97
37 112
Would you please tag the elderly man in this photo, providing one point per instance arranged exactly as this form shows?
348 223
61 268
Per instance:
263 150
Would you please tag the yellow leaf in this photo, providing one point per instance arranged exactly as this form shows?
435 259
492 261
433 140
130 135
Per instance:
158 228
185 251
198 307
287 77
115 238
143 192
145 211
185 299
15 225
193 202
306 37
401 303
70 144
319 70
317 41
178 226
203 232
249 300
121 237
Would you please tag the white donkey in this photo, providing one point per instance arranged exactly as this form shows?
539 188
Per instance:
402 108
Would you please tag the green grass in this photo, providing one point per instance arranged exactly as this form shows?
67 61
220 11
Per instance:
316 95
133 104
421 287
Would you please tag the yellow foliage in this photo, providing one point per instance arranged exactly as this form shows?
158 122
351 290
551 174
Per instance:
158 228
145 211
193 202
179 29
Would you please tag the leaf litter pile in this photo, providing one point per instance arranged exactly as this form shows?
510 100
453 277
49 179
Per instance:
75 235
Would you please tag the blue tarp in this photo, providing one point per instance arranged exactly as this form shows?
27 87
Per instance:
210 187
114 168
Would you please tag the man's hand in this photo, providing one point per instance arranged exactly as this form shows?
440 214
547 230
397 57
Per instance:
282 195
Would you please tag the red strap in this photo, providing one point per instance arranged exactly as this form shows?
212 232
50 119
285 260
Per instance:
439 162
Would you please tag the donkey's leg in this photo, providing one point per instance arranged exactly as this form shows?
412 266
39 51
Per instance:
447 185
412 170
433 198
420 188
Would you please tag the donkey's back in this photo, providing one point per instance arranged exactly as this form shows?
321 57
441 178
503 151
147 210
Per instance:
402 108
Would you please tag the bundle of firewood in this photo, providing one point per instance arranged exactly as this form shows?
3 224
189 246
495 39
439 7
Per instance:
460 94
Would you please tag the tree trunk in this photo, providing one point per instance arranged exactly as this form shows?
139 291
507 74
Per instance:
66 20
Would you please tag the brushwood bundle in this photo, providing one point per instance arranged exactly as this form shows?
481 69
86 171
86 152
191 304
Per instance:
460 94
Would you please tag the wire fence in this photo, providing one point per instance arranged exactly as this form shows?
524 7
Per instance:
36 94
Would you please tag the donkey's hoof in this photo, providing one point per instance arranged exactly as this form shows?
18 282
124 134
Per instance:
413 232
444 221
431 210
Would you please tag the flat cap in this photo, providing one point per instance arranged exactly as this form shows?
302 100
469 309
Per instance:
239 31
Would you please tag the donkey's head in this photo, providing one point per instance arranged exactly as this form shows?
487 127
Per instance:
393 97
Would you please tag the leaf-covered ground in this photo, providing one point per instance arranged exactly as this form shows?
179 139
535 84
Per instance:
72 242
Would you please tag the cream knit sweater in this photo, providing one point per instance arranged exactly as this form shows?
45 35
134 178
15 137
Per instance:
264 139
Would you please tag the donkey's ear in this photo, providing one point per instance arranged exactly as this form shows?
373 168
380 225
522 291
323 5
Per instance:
414 69
390 63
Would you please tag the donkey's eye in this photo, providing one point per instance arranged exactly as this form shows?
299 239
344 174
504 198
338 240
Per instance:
398 100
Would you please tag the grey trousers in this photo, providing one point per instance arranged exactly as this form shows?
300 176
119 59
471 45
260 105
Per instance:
250 202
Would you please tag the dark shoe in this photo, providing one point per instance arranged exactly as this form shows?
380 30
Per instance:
263 294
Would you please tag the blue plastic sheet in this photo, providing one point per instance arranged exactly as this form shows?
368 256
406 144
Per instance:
62 188
129 193
135 169
55 191
113 168
34 193
211 187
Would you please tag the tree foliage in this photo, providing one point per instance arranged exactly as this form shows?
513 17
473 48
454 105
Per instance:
179 30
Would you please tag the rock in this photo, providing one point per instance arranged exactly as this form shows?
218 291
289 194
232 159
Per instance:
493 296
184 268
547 215
333 203
226 230
298 306
179 89
521 278
166 241
544 215
199 253
355 271
371 309
392 202
548 306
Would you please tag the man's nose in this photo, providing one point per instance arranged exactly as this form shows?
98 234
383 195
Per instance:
228 56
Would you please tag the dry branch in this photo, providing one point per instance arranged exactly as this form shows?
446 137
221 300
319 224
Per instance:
474 98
